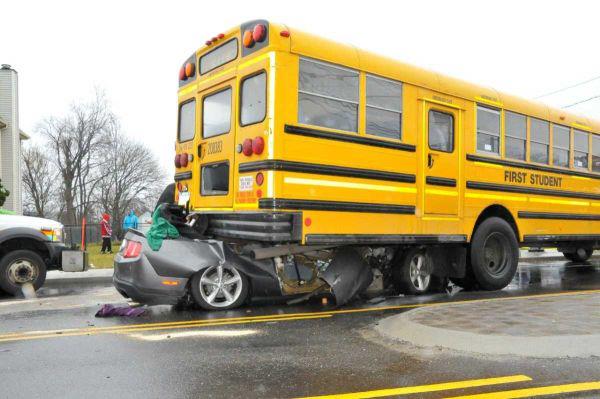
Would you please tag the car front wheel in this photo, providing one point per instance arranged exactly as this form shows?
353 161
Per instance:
219 287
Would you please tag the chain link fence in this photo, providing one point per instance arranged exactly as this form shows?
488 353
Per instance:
92 234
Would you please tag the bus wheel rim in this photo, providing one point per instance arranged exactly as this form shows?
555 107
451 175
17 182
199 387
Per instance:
221 286
495 257
419 272
22 271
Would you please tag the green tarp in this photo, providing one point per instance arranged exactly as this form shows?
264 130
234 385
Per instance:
160 230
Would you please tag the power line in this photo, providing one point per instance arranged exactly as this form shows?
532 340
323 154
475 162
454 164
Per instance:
568 87
582 101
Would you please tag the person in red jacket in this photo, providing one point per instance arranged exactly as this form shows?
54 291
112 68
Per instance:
106 232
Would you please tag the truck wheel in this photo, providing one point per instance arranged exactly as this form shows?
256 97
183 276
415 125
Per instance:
219 288
494 254
20 267
580 255
414 274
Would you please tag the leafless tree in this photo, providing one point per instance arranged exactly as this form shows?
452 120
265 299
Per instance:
77 141
132 178
39 182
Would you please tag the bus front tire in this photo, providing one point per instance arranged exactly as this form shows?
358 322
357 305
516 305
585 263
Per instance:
494 254
580 255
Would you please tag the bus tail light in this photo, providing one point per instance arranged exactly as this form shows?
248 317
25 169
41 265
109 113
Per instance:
132 249
248 39
259 33
178 161
247 147
260 178
183 160
189 69
258 145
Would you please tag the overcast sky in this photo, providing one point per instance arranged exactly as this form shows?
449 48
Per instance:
133 50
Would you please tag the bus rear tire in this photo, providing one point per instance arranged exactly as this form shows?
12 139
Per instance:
580 255
494 254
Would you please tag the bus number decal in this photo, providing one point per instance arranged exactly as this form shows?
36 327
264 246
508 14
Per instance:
215 147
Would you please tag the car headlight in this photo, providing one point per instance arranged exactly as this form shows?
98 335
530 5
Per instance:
58 235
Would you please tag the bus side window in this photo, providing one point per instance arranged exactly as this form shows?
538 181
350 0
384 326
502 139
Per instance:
580 159
516 135
441 131
595 153
328 95
488 130
561 142
384 107
539 145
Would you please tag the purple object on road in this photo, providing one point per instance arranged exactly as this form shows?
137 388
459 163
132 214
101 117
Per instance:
127 311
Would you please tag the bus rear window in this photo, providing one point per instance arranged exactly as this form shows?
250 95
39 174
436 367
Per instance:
219 56
187 121
216 114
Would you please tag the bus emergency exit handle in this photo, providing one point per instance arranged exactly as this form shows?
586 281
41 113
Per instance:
429 161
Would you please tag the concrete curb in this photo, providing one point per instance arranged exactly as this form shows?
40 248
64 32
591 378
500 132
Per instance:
91 276
401 327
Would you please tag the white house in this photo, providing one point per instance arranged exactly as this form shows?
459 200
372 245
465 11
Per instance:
10 138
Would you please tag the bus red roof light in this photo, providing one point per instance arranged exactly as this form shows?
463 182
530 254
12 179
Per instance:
208 42
247 147
259 33
221 35
258 145
248 39
284 33
182 73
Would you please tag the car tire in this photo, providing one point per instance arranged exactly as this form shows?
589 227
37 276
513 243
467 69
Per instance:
19 267
580 255
232 288
413 275
494 254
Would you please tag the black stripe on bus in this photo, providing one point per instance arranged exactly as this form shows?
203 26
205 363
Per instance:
183 175
440 181
522 165
529 190
323 134
384 239
560 238
303 167
339 206
557 216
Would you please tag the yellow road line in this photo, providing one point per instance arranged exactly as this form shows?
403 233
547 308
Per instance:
151 327
427 388
248 319
532 392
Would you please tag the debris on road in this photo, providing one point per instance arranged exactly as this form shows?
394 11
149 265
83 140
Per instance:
127 311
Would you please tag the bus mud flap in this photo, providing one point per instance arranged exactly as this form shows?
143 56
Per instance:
348 275
448 261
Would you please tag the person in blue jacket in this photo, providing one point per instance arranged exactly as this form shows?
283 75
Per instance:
130 221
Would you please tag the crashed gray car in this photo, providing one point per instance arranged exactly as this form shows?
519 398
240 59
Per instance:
218 274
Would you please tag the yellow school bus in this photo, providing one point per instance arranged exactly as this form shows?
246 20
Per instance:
291 145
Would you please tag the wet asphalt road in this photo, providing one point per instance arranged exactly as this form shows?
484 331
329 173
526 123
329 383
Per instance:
269 350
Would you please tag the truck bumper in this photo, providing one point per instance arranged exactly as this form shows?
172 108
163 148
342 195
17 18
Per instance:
55 250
